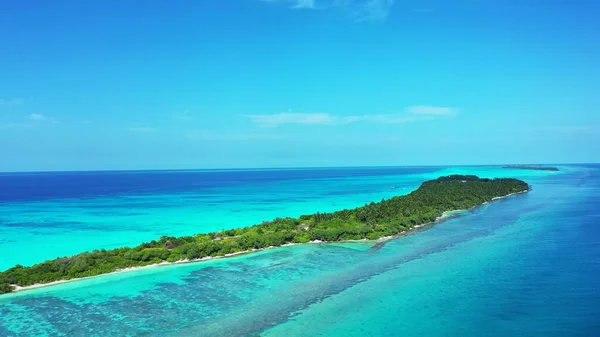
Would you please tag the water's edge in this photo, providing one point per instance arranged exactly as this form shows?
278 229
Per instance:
378 244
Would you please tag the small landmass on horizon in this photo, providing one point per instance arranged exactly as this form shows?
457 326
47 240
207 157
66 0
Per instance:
531 167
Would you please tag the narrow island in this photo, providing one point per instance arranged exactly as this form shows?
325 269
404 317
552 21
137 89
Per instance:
372 221
530 167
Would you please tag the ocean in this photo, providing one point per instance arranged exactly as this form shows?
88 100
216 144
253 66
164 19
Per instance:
527 265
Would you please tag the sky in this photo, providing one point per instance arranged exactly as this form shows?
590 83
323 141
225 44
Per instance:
110 85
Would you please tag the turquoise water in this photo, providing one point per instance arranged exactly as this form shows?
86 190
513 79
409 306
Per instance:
528 265
47 215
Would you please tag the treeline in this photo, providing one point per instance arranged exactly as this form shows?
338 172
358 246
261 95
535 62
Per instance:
372 221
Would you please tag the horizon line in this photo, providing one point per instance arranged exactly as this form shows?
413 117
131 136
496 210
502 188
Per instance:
281 168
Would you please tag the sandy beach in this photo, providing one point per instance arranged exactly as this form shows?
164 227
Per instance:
445 215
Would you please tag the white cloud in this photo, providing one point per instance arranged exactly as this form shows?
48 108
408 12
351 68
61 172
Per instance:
223 136
566 128
376 10
181 115
185 115
309 4
431 110
291 118
304 4
31 121
141 129
392 118
16 126
411 114
422 10
13 101
38 117
362 10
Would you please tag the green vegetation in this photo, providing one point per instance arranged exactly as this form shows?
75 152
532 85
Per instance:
372 221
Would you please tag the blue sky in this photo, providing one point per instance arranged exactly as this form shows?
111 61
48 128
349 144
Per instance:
251 83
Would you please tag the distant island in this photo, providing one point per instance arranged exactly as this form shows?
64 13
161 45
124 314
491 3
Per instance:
531 167
386 218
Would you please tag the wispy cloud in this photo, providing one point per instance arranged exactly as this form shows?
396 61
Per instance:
375 10
427 110
304 3
224 136
567 128
361 10
30 121
422 10
12 101
309 4
141 129
38 117
16 126
184 115
391 118
410 114
293 118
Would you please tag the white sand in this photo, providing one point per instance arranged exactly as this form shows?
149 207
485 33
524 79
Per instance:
18 288
207 258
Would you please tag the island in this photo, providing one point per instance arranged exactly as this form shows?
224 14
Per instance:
531 167
376 220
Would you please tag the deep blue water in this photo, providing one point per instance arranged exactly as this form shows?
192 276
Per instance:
528 265
52 185
64 213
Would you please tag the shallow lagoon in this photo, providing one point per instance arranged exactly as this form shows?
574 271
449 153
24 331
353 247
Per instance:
526 265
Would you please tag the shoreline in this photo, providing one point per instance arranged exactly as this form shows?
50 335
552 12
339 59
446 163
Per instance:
378 243
446 215
20 289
